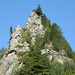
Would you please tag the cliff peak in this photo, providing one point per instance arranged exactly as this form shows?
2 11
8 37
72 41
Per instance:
22 38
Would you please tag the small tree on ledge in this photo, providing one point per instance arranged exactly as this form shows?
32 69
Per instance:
38 11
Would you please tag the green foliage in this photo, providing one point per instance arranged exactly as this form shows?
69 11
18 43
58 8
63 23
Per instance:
23 32
35 63
54 34
38 11
45 21
26 69
56 69
2 51
11 31
24 29
1 56
69 73
34 23
69 67
19 46
22 53
28 37
41 62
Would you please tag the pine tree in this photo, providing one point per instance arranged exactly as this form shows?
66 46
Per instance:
38 11
11 31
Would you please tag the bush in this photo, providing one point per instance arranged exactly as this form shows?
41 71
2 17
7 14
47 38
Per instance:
69 73
24 29
2 51
1 56
26 36
69 67
57 69
35 63
22 53
19 46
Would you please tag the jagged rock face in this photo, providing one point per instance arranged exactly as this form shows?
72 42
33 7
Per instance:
16 40
10 62
34 24
56 56
10 59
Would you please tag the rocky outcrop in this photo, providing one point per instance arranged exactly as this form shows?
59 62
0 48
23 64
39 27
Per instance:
10 60
56 56
34 24
9 63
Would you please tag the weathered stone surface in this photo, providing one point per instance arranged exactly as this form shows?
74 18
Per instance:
16 40
62 52
49 46
55 56
10 62
16 35
34 24
10 59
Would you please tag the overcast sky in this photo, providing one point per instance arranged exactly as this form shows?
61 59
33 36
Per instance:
16 12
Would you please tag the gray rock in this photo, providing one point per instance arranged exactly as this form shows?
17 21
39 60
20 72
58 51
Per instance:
34 24
10 62
55 56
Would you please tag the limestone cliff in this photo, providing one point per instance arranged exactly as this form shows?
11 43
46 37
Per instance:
9 63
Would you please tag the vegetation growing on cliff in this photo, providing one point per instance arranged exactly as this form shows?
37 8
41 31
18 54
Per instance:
53 34
35 63
2 51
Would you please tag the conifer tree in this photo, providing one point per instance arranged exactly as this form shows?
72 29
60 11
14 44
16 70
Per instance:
11 31
38 11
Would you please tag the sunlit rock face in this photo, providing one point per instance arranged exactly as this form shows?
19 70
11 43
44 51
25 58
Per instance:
10 63
16 40
56 56
34 24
